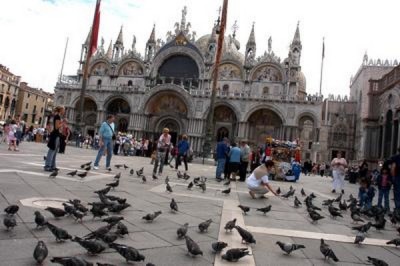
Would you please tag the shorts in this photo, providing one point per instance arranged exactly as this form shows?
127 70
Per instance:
259 190
234 167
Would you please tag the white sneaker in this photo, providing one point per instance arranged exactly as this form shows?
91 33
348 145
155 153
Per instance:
95 167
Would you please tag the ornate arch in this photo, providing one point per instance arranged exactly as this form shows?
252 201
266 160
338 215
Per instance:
76 99
271 107
169 88
267 72
118 105
310 114
99 67
236 71
262 123
178 50
130 67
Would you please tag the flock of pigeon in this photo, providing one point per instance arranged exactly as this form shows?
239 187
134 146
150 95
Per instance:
110 206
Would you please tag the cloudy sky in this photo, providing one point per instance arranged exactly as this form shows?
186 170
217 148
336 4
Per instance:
34 32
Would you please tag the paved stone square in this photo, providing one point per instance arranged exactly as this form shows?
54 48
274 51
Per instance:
23 182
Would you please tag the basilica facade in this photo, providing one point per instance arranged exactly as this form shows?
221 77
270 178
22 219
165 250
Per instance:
170 86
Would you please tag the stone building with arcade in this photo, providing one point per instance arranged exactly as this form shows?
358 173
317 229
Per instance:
170 86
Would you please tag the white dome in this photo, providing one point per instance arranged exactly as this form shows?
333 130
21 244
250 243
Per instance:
230 49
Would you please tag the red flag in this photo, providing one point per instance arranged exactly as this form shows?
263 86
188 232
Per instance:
95 29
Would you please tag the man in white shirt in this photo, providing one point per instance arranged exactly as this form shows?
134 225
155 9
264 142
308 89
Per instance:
338 165
163 146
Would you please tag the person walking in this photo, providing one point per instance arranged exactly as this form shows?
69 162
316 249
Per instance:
54 139
183 151
395 171
339 165
221 153
163 145
244 160
106 138
384 182
258 181
234 162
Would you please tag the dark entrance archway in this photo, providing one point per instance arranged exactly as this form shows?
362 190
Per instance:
263 123
222 132
174 129
121 109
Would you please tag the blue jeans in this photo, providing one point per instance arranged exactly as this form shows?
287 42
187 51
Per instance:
220 167
384 193
108 145
160 158
51 156
365 201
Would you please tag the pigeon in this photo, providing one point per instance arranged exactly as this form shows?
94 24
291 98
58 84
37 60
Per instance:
173 205
122 229
71 261
343 206
78 215
85 164
57 213
196 180
125 166
109 237
265 209
144 180
115 198
117 208
58 232
360 237
166 180
377 262
297 202
40 220
288 194
288 247
151 216
40 253
278 191
154 177
168 188
92 246
327 251
179 175
356 217
245 209
98 212
79 206
129 253
339 198
303 193
140 171
226 191
117 176
9 222
68 208
113 219
203 186
82 175
87 168
227 183
103 191
181 232
247 237
315 216
73 173
328 202
363 228
186 176
12 209
204 225
118 166
189 187
218 246
100 232
131 172
380 223
230 225
193 247
113 185
395 242
334 212
234 254
54 173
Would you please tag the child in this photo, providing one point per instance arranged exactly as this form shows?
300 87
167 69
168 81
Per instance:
296 169
384 182
366 194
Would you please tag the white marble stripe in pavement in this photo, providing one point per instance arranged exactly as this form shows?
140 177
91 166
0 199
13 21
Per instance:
315 235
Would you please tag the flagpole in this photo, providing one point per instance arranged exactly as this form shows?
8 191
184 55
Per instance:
322 65
89 51
63 61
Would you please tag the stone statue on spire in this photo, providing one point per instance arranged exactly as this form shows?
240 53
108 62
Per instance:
269 44
134 43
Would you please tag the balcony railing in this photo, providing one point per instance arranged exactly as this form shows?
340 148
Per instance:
386 81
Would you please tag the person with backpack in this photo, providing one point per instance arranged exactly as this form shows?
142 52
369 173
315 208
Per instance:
106 138
183 152
54 139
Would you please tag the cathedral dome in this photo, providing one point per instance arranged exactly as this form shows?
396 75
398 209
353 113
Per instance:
230 50
301 79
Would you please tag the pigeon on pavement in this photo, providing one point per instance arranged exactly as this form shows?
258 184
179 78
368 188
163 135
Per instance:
362 228
117 208
245 209
151 216
278 191
315 216
57 213
85 164
377 262
54 173
113 185
230 225
218 246
68 208
12 209
327 251
129 253
288 247
297 202
395 242
234 254
226 191
68 261
203 226
92 246
82 175
303 193
98 233
193 247
181 232
168 188
40 253
247 237
189 187
173 205
58 232
9 222
360 237
265 209
73 173
103 191
122 229
40 220
113 219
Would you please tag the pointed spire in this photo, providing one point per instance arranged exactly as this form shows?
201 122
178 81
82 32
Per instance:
152 38
252 37
213 37
296 38
120 37
87 42
109 51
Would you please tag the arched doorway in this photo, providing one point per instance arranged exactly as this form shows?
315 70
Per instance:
225 122
263 123
89 115
173 126
121 109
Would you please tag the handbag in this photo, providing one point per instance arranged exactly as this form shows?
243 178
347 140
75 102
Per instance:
113 136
